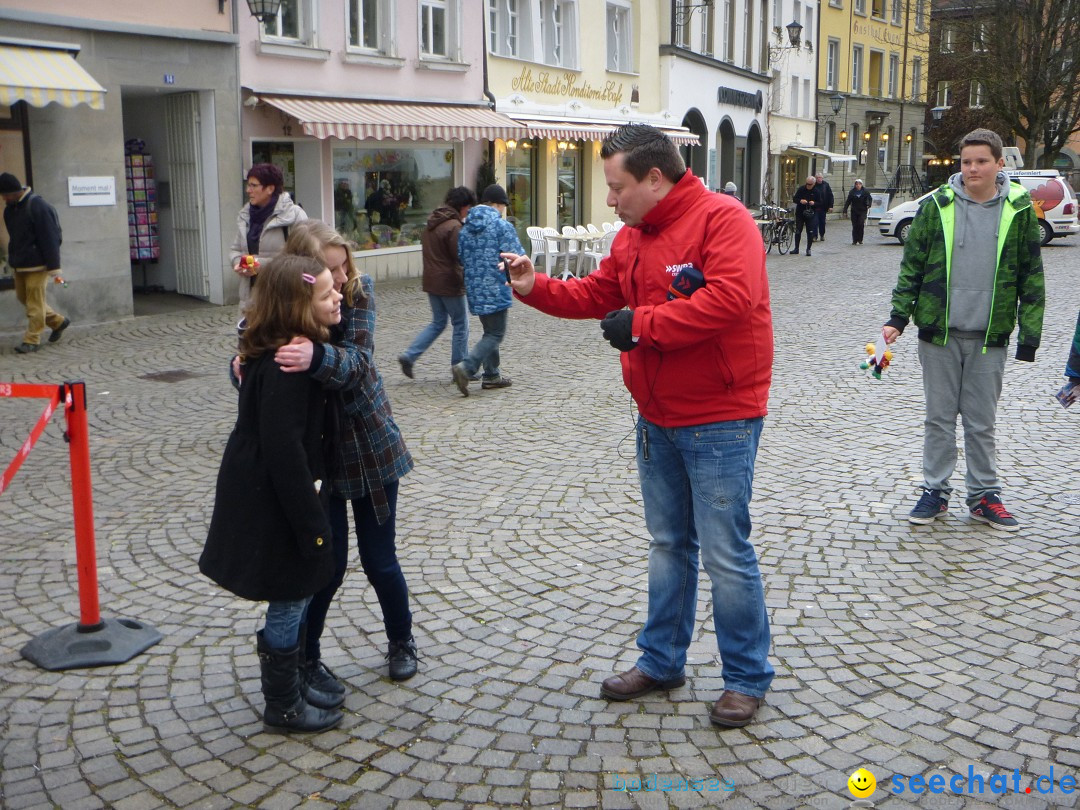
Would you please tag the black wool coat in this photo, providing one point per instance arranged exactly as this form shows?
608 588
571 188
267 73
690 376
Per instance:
269 535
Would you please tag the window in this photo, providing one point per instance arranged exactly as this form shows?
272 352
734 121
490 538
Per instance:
978 38
369 24
877 9
894 74
437 27
748 30
944 94
682 32
383 195
860 7
708 24
808 26
877 72
832 64
505 37
916 79
897 19
920 15
977 94
948 39
806 98
286 23
856 68
728 20
794 97
558 32
836 3
619 34
777 13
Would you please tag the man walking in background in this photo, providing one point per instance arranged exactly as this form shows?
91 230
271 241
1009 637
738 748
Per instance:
824 191
33 253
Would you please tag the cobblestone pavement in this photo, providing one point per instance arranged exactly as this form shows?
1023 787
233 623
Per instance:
945 649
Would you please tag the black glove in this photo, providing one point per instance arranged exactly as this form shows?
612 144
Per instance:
617 326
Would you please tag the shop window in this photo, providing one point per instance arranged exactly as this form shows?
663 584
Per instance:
438 29
370 25
619 36
383 196
14 158
521 186
568 201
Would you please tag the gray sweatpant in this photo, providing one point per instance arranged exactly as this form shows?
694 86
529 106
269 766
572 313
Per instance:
959 378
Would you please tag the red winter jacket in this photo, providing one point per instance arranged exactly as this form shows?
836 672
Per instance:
707 358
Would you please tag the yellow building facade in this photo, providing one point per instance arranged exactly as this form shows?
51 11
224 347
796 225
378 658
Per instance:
872 65
570 71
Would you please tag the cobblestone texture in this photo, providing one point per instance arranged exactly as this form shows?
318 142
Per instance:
910 650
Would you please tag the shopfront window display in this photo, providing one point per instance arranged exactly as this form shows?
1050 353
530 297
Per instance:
382 197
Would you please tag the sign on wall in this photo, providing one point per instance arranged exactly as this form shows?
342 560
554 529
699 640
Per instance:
91 191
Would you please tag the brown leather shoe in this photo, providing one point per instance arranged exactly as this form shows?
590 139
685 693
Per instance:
734 709
634 683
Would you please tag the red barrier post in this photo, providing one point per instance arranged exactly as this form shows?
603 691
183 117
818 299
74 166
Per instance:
83 506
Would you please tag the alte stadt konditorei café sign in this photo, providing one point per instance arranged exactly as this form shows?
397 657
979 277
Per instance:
567 85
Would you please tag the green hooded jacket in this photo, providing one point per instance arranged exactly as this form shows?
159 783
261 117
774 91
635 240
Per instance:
922 291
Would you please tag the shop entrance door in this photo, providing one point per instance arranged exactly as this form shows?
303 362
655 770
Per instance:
568 211
185 175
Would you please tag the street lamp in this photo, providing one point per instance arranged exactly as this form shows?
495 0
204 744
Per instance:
794 35
263 10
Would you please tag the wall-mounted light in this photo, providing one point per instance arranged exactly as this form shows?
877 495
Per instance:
866 137
909 138
794 35
263 10
884 137
635 96
843 135
511 145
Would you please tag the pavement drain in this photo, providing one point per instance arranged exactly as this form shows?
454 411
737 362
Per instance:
175 375
1071 498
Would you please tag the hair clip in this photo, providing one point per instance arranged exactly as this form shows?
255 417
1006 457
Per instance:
310 279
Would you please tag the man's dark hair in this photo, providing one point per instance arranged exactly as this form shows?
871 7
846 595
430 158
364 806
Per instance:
644 148
459 197
984 137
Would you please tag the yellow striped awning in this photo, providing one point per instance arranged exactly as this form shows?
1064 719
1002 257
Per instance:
40 76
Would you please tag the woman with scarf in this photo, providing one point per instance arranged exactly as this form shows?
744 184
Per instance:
372 457
262 227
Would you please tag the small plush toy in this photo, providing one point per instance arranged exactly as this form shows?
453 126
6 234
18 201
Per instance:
249 262
876 362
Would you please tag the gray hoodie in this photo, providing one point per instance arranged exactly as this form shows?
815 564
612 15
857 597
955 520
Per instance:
974 257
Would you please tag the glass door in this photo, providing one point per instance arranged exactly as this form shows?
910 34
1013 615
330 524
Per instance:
520 188
568 206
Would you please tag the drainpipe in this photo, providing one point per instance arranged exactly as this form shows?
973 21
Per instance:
487 91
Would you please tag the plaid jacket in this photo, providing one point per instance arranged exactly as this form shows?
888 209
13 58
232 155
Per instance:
371 451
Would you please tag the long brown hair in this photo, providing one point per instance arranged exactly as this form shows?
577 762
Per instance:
311 237
281 308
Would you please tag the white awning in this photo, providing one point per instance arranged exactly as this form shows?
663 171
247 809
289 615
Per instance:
591 129
384 120
814 151
40 76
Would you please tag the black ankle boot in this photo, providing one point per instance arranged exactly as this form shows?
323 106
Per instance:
286 709
318 685
403 659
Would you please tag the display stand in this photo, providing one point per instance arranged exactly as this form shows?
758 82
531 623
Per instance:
145 247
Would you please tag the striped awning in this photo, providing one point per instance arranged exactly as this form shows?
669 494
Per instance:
40 76
384 120
591 130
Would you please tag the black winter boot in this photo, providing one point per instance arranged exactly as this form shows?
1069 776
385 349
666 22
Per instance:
318 685
286 709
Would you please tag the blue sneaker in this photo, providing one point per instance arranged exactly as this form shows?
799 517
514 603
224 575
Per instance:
930 506
991 510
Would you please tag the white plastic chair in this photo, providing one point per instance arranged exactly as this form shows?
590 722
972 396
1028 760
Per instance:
607 226
555 251
574 248
592 257
593 229
538 247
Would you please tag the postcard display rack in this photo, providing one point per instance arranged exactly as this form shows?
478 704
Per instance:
142 211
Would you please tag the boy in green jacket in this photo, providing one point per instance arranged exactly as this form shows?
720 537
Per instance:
971 268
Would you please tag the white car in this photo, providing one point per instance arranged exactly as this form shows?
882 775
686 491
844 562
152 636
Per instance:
1053 198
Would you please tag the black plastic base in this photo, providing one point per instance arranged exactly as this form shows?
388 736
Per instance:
114 641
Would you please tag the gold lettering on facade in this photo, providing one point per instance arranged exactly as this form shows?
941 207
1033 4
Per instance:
568 85
878 33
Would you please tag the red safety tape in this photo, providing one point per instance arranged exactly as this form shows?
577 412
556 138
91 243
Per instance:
53 394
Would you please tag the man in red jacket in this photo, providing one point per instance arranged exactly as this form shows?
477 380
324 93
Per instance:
697 350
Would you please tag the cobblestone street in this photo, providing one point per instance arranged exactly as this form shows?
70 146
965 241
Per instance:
909 650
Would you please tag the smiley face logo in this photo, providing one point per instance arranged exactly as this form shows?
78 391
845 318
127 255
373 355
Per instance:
862 784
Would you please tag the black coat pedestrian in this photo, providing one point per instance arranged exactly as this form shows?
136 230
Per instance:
269 536
859 201
34 239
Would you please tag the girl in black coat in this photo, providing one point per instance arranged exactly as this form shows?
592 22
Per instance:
269 537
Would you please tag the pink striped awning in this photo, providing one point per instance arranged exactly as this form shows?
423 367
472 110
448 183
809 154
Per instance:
586 130
384 120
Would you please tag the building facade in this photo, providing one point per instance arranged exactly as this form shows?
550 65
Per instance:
874 54
570 71
168 90
373 109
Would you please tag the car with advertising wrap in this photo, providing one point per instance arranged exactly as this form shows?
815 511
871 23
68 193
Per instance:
1054 200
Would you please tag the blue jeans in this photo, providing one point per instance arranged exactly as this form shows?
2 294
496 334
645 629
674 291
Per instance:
444 307
486 350
378 558
696 483
283 620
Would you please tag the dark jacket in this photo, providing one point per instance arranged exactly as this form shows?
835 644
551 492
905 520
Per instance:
439 242
269 536
1072 367
859 201
803 196
35 241
825 194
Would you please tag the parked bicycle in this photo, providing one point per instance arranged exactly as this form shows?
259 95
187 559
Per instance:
779 229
